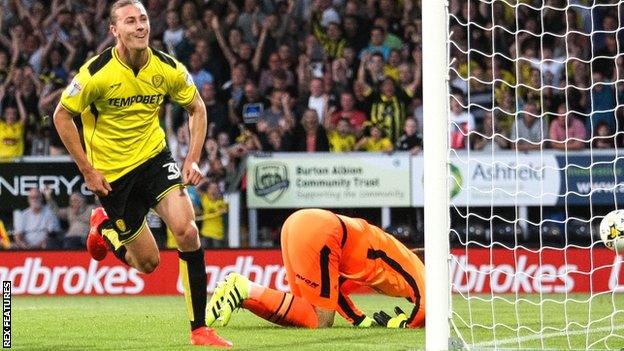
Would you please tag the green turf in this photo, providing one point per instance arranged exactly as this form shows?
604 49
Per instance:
527 325
159 323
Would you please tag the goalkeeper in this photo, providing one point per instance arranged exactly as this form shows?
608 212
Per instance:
326 256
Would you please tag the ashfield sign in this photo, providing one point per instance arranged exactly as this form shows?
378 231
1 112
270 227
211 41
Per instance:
506 179
16 180
328 180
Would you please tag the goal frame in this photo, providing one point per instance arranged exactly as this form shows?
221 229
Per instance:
435 144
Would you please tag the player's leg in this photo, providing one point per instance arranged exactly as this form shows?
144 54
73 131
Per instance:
166 195
307 238
131 239
177 212
142 252
275 306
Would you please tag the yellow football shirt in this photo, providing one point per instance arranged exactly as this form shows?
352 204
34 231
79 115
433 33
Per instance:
119 108
11 140
372 145
212 224
341 143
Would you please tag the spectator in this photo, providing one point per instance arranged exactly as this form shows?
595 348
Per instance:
341 138
275 140
12 127
603 102
35 226
77 216
354 34
391 68
411 139
348 111
317 99
179 143
566 131
375 68
267 76
462 122
213 209
529 130
173 36
329 36
375 142
310 136
604 138
391 41
378 36
388 104
234 88
210 164
200 76
5 241
279 112
249 15
327 11
490 138
217 111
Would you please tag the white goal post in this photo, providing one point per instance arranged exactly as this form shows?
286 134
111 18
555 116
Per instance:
435 132
520 198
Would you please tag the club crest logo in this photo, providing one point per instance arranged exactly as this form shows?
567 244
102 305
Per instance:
157 80
270 180
121 225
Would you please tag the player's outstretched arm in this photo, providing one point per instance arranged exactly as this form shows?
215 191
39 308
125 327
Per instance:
64 123
197 125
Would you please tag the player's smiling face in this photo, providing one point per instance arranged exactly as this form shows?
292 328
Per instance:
132 27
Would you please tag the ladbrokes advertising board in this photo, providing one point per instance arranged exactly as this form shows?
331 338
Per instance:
329 180
475 271
75 273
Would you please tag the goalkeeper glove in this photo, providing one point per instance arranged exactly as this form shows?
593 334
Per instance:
367 322
384 319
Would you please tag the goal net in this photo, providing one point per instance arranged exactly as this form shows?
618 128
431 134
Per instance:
534 89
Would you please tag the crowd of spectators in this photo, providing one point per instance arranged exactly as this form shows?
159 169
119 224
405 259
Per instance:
275 75
323 75
296 75
536 75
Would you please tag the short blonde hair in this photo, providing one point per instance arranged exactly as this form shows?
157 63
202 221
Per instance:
119 4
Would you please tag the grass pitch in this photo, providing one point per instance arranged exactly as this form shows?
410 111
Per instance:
559 322
159 323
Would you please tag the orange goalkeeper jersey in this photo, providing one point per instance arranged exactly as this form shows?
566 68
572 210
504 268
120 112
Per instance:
323 251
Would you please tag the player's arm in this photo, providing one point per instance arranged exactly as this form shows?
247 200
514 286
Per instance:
64 123
347 309
191 173
81 92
